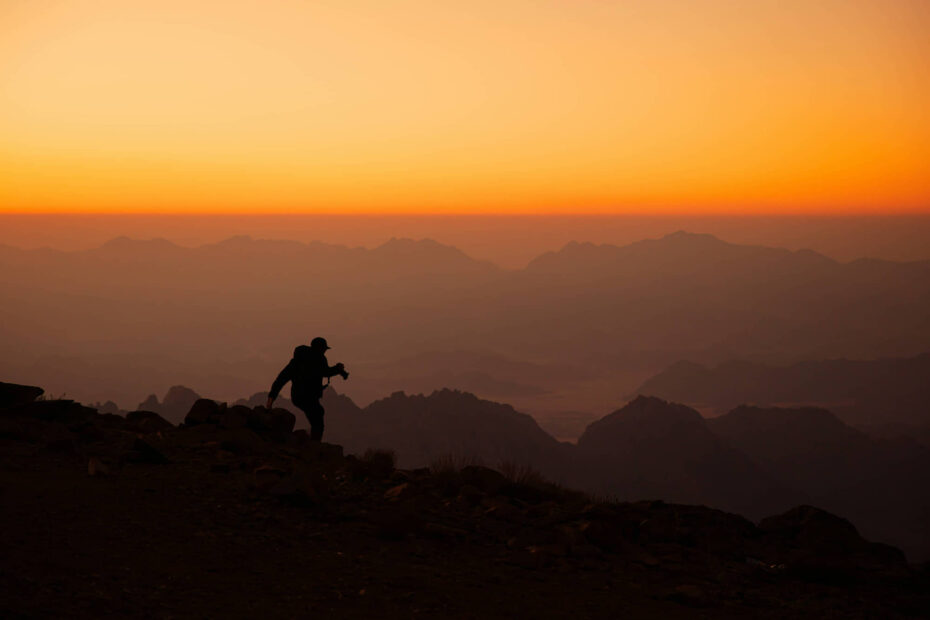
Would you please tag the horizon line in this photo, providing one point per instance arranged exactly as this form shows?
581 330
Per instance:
472 214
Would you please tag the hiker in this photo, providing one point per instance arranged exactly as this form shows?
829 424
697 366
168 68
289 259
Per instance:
306 372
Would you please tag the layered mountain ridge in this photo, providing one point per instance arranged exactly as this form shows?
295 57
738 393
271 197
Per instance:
225 316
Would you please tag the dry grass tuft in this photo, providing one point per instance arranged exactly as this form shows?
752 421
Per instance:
453 463
521 473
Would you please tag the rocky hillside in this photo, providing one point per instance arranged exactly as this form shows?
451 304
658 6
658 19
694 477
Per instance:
235 514
752 461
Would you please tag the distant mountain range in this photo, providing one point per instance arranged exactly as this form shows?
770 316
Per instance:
752 461
573 331
881 395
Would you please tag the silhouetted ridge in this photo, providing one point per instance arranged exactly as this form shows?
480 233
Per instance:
811 425
808 448
655 449
421 429
645 418
428 255
869 393
123 243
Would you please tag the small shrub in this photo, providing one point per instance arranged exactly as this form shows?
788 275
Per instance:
521 473
452 463
380 459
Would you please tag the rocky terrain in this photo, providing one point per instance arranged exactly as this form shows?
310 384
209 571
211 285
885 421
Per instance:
235 514
752 461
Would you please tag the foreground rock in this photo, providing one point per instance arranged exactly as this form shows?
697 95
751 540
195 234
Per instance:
12 394
234 514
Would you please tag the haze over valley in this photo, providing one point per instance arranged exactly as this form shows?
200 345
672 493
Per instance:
567 338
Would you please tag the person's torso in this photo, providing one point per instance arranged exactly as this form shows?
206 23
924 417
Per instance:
309 371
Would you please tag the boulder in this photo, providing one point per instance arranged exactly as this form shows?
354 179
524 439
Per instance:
147 422
820 546
275 424
236 416
486 479
204 411
243 442
13 394
113 421
56 411
814 529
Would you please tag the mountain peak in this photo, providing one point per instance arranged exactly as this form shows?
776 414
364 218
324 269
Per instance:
796 426
406 243
236 240
684 235
427 253
644 419
123 242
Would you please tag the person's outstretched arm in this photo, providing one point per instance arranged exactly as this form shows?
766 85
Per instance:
332 371
286 374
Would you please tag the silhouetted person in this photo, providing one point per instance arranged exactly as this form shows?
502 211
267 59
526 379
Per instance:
306 372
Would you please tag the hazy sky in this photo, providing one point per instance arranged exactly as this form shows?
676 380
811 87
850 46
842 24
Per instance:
479 106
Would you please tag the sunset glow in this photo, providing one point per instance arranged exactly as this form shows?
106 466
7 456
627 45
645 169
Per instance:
641 106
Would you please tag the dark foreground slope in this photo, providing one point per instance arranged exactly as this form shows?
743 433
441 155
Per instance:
235 515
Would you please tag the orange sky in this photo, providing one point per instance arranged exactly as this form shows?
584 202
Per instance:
481 106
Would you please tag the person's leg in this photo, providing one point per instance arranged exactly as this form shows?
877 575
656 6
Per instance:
314 413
